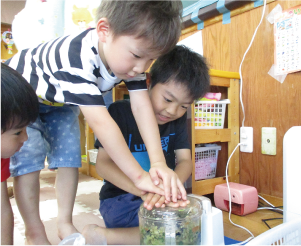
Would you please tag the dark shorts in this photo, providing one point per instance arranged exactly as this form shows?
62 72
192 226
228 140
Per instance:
120 211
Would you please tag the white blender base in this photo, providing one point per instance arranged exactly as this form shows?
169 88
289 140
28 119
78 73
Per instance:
212 226
212 232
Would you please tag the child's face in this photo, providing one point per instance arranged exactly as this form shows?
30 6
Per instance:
12 140
127 56
170 101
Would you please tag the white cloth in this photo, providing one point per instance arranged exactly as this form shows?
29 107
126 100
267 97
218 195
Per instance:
41 21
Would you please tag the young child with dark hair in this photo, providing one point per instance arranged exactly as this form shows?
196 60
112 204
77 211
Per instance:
19 107
73 72
176 80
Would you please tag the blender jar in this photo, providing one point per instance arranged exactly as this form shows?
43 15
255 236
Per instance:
171 226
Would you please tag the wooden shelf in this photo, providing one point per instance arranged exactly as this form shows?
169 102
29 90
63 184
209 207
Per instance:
230 80
207 186
212 135
88 168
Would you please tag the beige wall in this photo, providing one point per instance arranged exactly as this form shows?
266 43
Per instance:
9 9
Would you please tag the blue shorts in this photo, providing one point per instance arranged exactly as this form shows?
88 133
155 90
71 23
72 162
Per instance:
54 134
120 211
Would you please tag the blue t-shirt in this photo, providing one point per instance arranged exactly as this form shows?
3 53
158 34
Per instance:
174 135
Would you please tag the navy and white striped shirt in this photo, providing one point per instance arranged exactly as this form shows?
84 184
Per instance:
68 70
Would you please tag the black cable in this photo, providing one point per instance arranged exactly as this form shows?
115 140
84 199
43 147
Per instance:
263 204
264 221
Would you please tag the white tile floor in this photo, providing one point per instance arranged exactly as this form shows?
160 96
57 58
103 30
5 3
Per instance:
85 208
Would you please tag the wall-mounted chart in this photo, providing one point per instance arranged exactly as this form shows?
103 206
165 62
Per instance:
287 33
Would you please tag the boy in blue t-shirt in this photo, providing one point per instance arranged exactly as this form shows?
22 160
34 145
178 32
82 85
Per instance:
19 107
176 80
76 70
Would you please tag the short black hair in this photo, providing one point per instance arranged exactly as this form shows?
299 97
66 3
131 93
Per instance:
159 22
184 66
19 102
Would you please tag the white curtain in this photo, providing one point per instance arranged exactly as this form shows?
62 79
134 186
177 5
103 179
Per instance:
41 20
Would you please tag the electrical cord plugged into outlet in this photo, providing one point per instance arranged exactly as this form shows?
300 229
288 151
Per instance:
246 139
230 200
246 133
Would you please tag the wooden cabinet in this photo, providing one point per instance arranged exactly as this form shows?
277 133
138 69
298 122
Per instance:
228 82
87 143
120 92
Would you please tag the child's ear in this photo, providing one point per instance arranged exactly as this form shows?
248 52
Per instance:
103 28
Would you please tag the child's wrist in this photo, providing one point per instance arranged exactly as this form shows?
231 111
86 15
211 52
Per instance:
158 163
139 176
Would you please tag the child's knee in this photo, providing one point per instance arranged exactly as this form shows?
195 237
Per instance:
94 234
88 228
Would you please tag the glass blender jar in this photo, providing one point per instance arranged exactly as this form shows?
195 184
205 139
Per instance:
171 226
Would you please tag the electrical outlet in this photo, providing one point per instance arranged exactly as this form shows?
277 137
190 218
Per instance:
268 140
246 138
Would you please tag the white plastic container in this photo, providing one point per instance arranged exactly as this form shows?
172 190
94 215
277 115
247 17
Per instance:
206 161
93 155
288 233
78 239
74 239
210 114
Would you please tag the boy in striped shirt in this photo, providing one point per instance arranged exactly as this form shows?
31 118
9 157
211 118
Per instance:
73 72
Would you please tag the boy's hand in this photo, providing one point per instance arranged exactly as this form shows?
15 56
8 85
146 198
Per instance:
179 203
171 182
151 200
144 183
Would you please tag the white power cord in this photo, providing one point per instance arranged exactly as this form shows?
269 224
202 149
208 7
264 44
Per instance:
266 201
272 206
230 207
241 80
243 121
230 201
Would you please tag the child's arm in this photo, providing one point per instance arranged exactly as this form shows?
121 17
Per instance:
108 170
6 217
148 128
109 134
